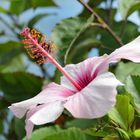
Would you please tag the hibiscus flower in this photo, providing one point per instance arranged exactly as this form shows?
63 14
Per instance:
87 89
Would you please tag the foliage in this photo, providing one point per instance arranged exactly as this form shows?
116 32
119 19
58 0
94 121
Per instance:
76 38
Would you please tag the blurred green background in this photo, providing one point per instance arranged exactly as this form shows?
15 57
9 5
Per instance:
77 36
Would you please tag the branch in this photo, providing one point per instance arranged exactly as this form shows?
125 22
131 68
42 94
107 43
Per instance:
102 22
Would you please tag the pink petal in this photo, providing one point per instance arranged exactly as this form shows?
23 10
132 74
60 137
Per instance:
47 113
29 125
130 51
42 114
29 128
52 92
96 99
82 72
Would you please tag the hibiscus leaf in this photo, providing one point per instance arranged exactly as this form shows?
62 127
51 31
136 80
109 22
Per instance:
132 86
84 47
94 132
134 7
123 134
81 123
42 133
19 124
42 3
85 12
123 113
56 133
124 70
16 64
66 33
1 126
35 19
18 6
137 133
127 7
123 73
9 50
18 86
111 137
83 28
2 10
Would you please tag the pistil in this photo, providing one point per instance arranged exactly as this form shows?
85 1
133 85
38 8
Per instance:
44 54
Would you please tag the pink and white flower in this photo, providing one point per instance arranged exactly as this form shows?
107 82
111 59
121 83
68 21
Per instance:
87 89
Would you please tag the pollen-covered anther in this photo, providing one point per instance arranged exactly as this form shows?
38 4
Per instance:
35 34
27 41
33 42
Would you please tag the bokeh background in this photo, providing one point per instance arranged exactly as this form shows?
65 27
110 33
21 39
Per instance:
69 25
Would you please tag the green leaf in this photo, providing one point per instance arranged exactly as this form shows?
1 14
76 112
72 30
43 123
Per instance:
123 134
1 126
83 48
124 70
85 12
127 7
35 19
8 51
19 85
134 7
94 132
18 6
111 137
3 103
2 10
16 64
130 32
69 134
19 128
123 113
137 133
55 133
123 73
66 33
83 28
42 3
42 133
132 86
81 123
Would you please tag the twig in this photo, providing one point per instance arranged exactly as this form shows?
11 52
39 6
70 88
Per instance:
102 22
96 25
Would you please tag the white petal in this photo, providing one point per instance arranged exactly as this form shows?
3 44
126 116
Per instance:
52 92
48 113
96 99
